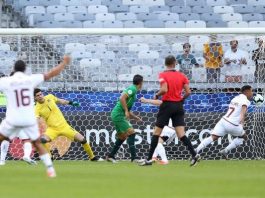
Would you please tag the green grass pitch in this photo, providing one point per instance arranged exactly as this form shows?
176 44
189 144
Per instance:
78 179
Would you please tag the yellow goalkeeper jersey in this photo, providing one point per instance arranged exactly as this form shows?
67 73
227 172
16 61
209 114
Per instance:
50 112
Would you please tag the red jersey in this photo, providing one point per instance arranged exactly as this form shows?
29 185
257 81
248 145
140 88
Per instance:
175 82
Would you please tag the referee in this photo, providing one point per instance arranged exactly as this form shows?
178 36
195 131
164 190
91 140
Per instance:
172 83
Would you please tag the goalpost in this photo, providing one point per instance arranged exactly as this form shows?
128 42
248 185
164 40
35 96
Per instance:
104 61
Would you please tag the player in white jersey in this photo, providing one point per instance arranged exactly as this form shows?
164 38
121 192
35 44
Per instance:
20 115
232 122
168 135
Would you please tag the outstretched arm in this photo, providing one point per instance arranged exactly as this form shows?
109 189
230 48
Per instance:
57 69
67 102
151 101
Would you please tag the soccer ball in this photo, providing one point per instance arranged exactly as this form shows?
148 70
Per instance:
258 99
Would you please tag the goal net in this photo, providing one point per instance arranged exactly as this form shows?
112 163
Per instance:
104 64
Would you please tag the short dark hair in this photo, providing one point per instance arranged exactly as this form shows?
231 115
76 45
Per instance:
20 66
187 45
169 60
36 90
245 88
137 79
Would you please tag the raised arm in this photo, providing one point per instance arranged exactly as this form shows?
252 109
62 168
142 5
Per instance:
68 102
151 101
57 69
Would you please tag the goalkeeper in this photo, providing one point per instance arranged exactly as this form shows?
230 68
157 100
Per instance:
46 108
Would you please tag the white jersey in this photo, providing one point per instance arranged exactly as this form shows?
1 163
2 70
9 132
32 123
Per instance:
18 90
235 107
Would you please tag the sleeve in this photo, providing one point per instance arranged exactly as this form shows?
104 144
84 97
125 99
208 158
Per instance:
2 83
37 112
53 97
185 80
193 60
161 79
178 59
205 48
226 55
37 79
220 50
129 91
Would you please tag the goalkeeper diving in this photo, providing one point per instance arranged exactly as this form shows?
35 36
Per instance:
47 109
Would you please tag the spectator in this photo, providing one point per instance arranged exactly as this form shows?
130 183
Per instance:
186 61
213 55
234 58
258 55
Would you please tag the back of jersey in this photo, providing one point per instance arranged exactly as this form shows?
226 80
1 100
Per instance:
20 100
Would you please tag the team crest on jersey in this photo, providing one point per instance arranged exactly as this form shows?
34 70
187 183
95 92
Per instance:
130 92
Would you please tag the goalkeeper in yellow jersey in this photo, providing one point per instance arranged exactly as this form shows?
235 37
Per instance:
46 108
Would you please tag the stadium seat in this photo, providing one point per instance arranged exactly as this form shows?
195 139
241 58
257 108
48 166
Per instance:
56 9
223 9
146 16
24 3
71 47
217 23
95 47
202 9
136 47
118 8
189 16
210 17
159 8
254 24
154 2
238 2
84 17
111 2
76 9
256 2
104 54
90 63
259 9
216 2
181 9
70 2
90 2
237 24
133 39
125 77
146 54
63 17
195 2
168 16
232 17
253 17
34 10
50 24
72 24
139 9
132 2
154 24
133 24
105 17
154 39
128 16
113 24
175 24
141 69
195 24
80 55
158 69
177 47
243 9
4 47
198 39
94 9
199 74
49 2
110 39
175 2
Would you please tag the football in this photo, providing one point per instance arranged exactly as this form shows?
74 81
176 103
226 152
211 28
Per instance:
258 99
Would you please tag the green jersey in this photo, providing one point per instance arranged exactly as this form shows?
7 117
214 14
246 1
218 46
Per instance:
118 110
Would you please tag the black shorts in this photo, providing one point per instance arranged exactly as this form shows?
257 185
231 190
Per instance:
173 110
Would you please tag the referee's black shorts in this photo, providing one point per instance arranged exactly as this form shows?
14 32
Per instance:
173 110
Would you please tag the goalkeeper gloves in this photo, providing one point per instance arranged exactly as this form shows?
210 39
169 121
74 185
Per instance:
74 103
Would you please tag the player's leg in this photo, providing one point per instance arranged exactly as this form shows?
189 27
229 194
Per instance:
49 135
131 143
27 147
4 150
161 150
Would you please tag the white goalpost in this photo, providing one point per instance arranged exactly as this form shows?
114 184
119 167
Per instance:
104 61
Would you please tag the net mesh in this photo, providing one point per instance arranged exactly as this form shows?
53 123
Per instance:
103 66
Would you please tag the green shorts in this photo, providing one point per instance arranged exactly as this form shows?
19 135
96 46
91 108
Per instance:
121 125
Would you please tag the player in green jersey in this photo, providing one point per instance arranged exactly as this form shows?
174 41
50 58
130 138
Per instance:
120 116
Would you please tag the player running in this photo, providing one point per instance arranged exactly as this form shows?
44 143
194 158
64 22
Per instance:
120 116
232 122
47 109
18 90
167 136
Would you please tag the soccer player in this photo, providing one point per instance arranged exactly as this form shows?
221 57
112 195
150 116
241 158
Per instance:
120 116
47 109
172 83
232 122
20 107
168 134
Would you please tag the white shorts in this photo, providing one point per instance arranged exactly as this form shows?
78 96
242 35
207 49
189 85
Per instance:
224 127
23 135
10 131
168 132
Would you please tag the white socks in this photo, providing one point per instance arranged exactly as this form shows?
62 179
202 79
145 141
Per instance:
27 146
4 150
204 143
235 143
47 160
160 150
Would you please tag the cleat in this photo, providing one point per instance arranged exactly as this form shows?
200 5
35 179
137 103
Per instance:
51 172
163 162
97 159
154 159
112 159
29 161
195 160
2 163
146 163
224 154
136 160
